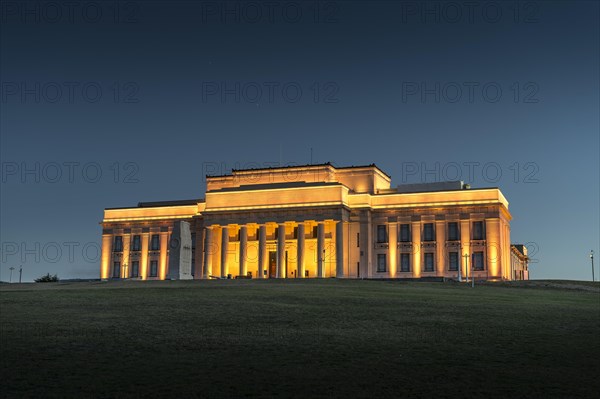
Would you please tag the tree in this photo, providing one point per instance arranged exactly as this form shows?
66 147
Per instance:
47 279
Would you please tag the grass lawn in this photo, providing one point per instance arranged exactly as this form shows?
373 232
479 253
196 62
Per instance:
299 338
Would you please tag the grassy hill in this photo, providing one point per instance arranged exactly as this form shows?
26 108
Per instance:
300 338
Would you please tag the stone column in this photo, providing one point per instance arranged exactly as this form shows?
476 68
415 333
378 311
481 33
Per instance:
126 259
300 256
199 259
440 246
393 248
339 249
417 250
164 246
243 249
281 272
320 249
107 240
144 262
224 250
494 241
505 250
208 252
262 250
465 245
366 245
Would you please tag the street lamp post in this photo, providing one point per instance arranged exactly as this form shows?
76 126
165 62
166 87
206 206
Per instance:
472 274
466 256
459 265
10 278
20 273
592 259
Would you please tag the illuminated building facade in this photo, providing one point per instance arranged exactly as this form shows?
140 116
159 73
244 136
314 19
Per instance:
316 221
519 262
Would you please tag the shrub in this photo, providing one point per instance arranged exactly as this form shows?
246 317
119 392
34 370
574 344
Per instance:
47 279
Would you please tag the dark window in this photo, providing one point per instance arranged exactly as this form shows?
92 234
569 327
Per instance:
478 261
118 247
404 233
429 267
193 240
478 231
381 233
296 232
357 240
453 231
453 258
136 243
153 268
404 262
428 233
116 269
381 263
155 244
315 232
135 268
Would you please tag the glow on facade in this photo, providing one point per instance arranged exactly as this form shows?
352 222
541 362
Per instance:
318 221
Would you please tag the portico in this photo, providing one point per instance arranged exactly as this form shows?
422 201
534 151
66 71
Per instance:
307 248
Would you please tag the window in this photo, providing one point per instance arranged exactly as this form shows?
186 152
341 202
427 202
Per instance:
381 263
315 232
135 268
428 233
381 233
404 233
193 240
453 259
116 269
404 262
153 268
357 240
478 260
136 243
429 267
118 246
296 232
155 244
453 231
478 230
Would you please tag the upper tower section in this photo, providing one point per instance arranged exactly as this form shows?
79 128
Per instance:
358 179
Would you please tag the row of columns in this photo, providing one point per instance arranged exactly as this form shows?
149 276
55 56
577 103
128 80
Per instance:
280 257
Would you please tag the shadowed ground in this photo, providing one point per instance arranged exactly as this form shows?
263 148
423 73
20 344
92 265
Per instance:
304 339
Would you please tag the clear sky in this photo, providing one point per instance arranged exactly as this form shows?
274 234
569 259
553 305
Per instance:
107 104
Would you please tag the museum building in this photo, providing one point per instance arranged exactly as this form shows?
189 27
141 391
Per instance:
315 221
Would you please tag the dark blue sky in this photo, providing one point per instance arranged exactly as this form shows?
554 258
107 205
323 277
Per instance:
155 94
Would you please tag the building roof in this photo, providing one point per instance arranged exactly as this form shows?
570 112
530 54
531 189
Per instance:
263 186
522 249
155 204
434 186
158 204
233 171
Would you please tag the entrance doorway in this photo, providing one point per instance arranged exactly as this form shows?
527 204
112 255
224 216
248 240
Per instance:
273 265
